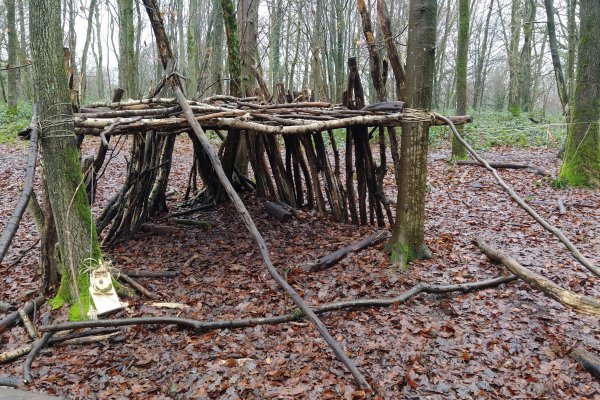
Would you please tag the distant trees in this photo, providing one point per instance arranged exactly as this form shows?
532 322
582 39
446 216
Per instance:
13 73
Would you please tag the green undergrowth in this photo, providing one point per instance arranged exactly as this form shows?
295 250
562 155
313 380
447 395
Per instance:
490 129
12 123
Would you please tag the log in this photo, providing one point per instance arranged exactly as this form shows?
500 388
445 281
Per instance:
545 224
137 286
4 307
149 274
9 381
12 318
578 302
13 223
587 360
508 165
330 260
277 211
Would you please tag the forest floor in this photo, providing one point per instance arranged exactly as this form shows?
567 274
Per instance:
505 342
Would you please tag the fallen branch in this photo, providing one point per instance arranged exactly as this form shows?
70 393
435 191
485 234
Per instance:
277 211
509 165
587 360
71 338
15 219
137 286
149 274
331 259
27 323
191 210
193 222
545 224
10 381
582 303
4 307
205 326
12 318
37 347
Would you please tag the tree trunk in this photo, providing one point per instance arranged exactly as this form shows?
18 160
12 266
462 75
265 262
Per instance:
68 199
392 51
478 86
408 239
128 76
513 60
572 43
529 12
560 79
27 92
13 74
88 36
581 161
462 54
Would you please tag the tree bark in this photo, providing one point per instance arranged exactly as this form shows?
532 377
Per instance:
13 73
408 238
581 161
560 79
462 55
68 198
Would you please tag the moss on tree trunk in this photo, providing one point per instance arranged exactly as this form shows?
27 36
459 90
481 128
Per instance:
581 161
77 236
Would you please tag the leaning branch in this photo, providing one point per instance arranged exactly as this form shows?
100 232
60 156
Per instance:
549 227
13 224
166 55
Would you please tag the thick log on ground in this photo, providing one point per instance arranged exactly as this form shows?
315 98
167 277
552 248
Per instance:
330 260
277 211
509 165
12 318
13 394
9 381
519 200
578 302
587 360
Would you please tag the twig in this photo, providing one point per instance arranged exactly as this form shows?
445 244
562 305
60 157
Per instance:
4 307
24 252
549 227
